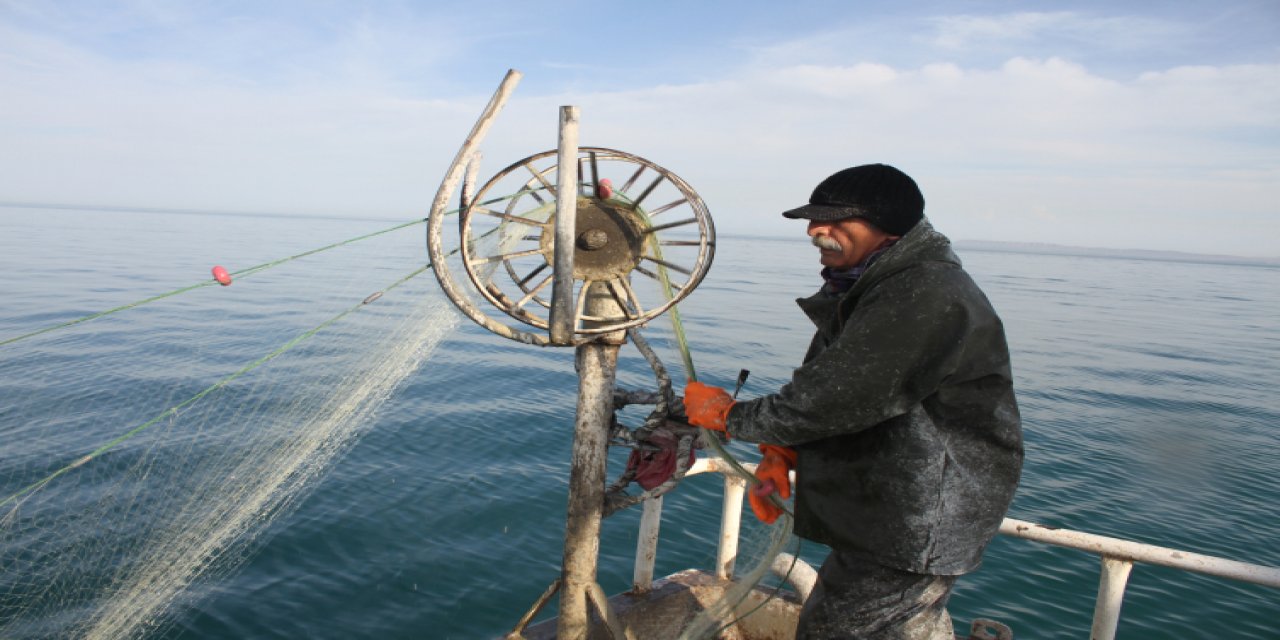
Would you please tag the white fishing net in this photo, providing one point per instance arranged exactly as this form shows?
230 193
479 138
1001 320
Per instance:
153 446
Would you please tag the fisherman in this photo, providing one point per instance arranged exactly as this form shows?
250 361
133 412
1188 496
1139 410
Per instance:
901 423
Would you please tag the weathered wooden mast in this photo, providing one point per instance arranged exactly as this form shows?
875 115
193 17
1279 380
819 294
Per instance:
596 362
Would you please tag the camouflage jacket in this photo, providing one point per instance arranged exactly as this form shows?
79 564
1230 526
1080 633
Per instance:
903 414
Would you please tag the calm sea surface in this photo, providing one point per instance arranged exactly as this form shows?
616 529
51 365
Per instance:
1148 393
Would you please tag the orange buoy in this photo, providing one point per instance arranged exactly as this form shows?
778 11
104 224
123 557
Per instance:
220 274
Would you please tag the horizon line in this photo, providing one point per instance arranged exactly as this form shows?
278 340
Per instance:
1006 244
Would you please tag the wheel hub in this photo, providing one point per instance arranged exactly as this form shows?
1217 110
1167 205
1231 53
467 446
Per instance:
610 240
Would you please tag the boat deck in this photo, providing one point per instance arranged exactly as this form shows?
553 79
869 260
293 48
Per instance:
676 600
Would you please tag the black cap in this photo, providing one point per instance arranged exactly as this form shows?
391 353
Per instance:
878 193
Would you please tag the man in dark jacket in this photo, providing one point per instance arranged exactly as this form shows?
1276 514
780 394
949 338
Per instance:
901 423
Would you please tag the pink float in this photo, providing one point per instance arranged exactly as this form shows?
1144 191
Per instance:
220 274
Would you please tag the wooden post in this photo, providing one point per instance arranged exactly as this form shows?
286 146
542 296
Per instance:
561 317
597 364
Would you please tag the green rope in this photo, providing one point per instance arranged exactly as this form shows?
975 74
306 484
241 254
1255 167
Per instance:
228 379
173 411
712 442
686 354
267 265
247 368
708 439
239 274
242 273
103 313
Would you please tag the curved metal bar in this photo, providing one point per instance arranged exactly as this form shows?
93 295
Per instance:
436 219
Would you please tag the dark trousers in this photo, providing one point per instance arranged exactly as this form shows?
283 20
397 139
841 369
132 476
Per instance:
854 598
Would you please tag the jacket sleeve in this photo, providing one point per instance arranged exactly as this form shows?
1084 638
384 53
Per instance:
903 339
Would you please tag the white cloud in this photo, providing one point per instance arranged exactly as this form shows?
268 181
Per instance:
995 146
1235 95
964 32
1029 137
960 32
835 81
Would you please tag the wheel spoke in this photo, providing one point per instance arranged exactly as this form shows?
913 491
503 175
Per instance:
632 180
667 207
626 298
669 265
510 217
677 288
580 306
635 204
671 225
547 185
504 256
539 269
532 193
595 174
534 291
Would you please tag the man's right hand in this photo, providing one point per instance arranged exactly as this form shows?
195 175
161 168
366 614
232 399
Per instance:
707 406
773 473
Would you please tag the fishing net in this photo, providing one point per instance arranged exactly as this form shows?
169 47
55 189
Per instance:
148 464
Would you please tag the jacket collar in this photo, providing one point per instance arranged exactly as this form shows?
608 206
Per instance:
921 244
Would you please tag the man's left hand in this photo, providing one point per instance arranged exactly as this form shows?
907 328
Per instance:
773 472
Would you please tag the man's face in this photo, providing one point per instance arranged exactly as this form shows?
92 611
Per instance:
844 243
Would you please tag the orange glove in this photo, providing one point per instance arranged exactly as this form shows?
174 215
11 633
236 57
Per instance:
706 406
772 473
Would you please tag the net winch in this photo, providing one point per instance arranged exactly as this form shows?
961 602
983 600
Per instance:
587 245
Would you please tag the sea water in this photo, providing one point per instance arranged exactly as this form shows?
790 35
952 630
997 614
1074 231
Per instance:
1147 390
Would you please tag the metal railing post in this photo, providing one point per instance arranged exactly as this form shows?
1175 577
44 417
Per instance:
647 546
1118 555
730 523
1106 613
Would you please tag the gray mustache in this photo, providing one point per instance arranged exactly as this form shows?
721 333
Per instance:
826 242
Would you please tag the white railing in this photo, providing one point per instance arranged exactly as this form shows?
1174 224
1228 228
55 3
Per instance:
1118 556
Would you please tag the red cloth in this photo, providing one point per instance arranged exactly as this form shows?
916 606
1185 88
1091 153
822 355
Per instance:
654 467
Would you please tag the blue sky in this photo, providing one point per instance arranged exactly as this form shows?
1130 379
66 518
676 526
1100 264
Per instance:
1152 125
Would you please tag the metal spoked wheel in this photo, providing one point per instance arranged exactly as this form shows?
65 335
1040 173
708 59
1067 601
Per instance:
633 217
